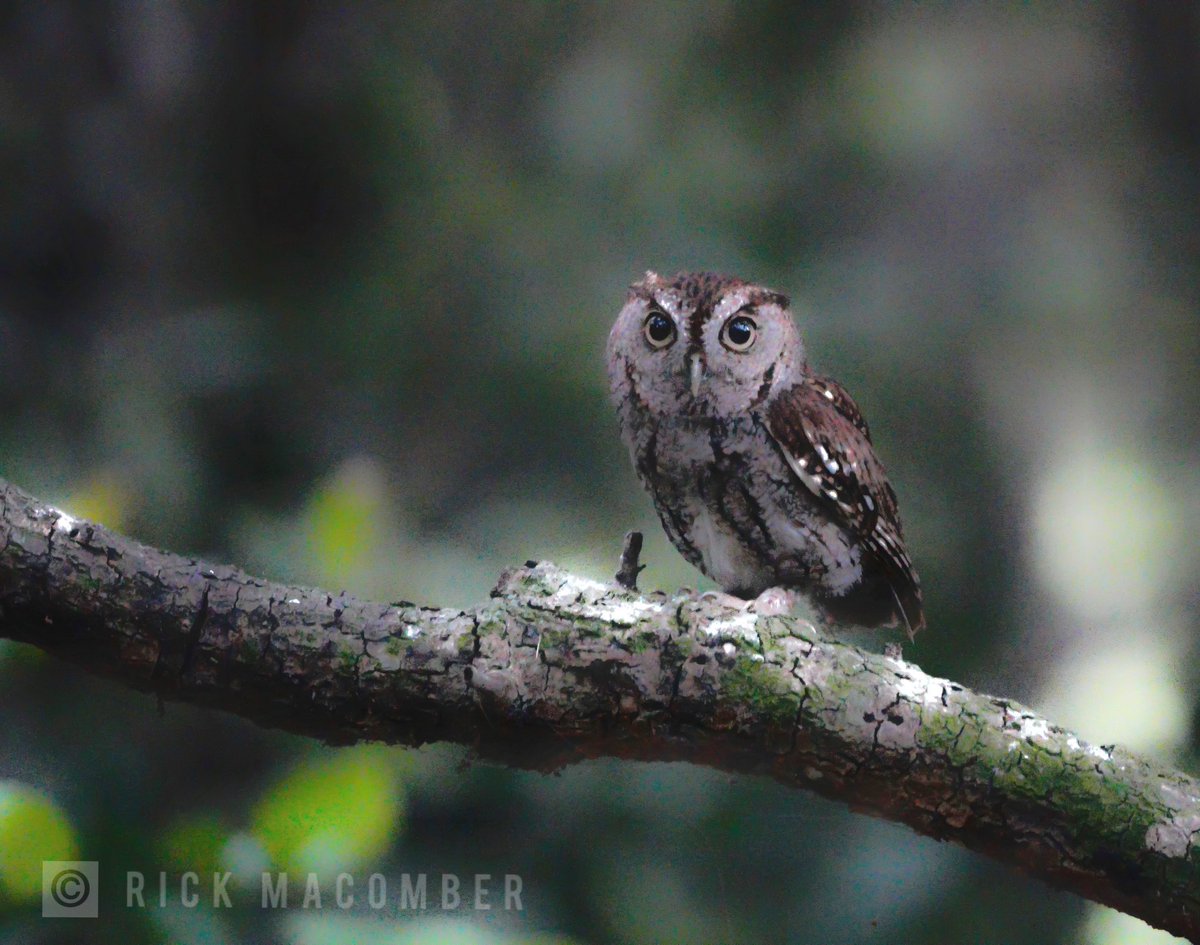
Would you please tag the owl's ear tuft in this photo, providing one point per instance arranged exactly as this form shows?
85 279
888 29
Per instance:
641 289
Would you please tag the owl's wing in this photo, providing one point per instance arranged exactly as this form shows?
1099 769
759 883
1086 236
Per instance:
825 441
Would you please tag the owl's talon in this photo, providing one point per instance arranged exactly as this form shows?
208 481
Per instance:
727 600
774 602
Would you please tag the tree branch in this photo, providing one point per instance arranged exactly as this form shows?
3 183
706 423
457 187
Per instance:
556 668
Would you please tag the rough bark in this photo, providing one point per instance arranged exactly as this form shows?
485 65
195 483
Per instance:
556 668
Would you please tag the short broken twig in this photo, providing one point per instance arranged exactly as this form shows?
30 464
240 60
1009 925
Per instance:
627 573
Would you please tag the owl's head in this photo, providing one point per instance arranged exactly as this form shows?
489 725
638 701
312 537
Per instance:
703 344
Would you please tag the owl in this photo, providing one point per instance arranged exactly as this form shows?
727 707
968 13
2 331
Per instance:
762 472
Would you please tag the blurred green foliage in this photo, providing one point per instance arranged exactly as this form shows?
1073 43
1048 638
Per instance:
32 829
323 291
196 842
336 813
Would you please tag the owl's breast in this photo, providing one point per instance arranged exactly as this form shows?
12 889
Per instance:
725 554
699 474
683 447
732 506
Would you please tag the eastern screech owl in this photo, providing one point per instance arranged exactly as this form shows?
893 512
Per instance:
763 474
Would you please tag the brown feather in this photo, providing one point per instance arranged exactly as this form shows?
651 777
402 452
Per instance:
822 434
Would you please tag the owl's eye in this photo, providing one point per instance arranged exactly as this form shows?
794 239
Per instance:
739 333
659 330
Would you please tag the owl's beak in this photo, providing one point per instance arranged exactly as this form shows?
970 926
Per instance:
697 374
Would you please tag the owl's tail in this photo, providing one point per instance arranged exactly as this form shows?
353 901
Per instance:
901 577
910 608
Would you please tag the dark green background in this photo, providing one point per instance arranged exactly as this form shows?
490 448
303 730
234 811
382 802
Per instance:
322 290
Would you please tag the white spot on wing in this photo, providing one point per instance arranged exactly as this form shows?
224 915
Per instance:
800 468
